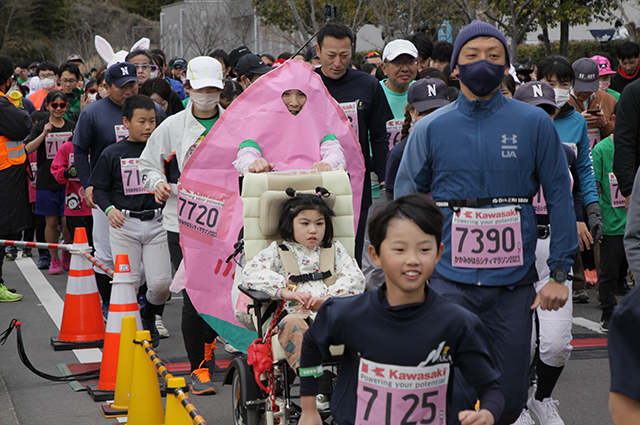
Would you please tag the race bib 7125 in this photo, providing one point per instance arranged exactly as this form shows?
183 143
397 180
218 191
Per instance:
399 395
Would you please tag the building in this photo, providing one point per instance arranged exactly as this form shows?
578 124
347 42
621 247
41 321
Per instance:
197 27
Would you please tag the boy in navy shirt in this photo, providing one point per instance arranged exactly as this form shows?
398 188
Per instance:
134 216
410 378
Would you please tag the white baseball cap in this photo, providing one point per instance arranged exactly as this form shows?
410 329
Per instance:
204 71
396 48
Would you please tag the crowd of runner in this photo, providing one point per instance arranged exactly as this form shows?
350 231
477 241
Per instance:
531 165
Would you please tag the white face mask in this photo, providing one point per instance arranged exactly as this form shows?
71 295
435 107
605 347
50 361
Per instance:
205 101
48 83
562 96
154 74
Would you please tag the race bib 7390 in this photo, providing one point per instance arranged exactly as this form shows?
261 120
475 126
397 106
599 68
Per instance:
486 238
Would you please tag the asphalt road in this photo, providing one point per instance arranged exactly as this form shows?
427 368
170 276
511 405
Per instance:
28 399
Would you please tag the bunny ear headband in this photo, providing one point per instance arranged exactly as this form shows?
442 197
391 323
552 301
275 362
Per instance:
104 49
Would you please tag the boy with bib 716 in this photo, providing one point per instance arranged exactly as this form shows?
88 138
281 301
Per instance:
408 378
135 217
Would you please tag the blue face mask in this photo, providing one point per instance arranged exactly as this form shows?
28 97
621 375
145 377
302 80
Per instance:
481 77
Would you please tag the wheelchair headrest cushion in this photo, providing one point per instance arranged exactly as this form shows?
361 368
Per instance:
271 203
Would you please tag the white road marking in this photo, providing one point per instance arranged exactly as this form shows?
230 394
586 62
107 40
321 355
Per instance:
53 304
589 324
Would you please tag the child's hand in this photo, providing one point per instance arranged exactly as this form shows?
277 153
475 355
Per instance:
471 417
314 303
261 165
162 192
47 129
309 415
299 297
321 166
116 218
584 236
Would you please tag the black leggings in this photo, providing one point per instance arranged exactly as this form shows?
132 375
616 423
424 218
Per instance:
195 330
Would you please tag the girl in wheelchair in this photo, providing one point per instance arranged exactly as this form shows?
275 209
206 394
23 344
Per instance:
306 269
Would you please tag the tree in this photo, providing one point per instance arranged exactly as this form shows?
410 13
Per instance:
567 13
401 18
516 18
307 16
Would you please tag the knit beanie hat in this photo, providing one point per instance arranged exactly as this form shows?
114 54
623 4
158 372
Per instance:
473 30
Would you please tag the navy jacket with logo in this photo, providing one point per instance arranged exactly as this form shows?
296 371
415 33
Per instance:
486 149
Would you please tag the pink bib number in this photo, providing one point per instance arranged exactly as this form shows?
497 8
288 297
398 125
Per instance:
617 200
132 182
34 171
486 238
394 129
351 111
540 204
594 137
199 212
121 132
401 394
53 141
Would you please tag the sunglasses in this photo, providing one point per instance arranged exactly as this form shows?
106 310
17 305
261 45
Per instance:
92 90
56 105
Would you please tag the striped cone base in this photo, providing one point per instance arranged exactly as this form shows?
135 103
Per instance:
82 323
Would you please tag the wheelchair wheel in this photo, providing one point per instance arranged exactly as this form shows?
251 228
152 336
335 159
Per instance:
241 414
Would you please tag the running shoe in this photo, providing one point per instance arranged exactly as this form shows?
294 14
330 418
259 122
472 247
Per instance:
11 253
44 262
580 296
604 324
150 325
66 260
201 381
54 268
209 357
164 333
26 253
546 411
524 418
7 296
105 312
228 347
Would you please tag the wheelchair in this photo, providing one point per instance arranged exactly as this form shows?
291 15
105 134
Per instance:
273 400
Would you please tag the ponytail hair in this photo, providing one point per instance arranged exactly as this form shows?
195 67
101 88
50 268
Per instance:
408 119
298 202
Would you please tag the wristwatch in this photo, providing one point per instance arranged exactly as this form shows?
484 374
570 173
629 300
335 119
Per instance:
560 276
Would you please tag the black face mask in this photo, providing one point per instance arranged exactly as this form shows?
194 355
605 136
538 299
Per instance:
481 77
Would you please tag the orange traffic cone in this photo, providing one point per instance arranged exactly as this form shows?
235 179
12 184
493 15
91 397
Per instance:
82 322
123 303
145 402
120 404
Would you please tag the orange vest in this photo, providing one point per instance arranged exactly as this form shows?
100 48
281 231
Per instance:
11 153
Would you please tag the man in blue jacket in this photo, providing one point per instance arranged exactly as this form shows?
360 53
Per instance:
483 158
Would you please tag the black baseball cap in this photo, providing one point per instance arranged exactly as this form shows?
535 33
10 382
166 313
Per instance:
428 93
179 64
251 63
587 74
536 93
522 69
121 73
237 53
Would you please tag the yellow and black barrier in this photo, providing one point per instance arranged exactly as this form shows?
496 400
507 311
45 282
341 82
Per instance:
145 396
